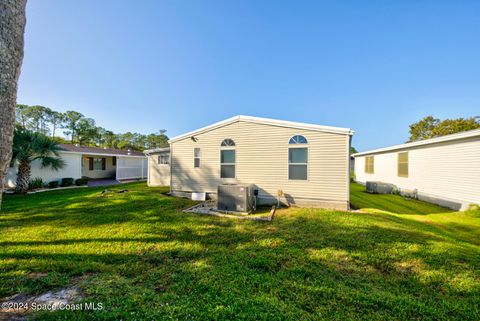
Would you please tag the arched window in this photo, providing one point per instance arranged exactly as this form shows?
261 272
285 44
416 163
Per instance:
298 159
228 142
227 159
298 139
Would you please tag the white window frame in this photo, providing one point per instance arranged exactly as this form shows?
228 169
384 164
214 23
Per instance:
234 148
298 145
199 157
163 156
229 140
95 162
407 163
372 163
306 164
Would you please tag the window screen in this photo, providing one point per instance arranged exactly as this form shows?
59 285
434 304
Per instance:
98 164
196 157
228 156
227 163
227 171
297 163
163 159
369 164
403 164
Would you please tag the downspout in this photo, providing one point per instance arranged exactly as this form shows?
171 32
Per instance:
148 169
80 172
171 167
348 170
116 169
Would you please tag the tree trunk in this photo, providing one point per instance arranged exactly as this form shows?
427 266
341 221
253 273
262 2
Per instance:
23 177
12 27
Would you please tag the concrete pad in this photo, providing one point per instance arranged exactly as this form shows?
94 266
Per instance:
102 182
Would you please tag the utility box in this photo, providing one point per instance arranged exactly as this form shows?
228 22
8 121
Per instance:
380 188
236 198
199 196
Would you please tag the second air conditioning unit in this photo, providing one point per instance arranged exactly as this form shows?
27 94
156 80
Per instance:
380 188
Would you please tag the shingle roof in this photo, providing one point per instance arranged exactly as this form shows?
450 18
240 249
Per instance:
157 150
99 150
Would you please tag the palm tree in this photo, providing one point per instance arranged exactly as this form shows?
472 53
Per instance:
28 147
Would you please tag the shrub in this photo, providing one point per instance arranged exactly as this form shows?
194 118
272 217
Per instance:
67 181
35 182
81 181
473 207
396 191
53 184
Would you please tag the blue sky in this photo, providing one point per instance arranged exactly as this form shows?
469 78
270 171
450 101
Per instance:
373 66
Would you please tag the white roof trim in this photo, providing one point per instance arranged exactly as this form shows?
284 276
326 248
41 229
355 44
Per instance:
265 121
98 154
436 140
156 150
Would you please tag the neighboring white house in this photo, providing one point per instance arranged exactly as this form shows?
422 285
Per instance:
90 162
158 166
443 170
308 163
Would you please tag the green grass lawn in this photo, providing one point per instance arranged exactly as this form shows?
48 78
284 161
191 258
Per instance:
144 259
360 199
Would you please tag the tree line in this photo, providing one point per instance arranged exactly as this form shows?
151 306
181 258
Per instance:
431 127
83 130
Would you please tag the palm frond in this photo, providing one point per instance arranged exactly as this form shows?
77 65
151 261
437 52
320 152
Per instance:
29 146
54 163
22 142
45 146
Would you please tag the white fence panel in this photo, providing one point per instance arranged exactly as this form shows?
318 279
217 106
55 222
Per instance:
131 167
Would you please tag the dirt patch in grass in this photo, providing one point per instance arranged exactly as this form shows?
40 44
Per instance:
18 306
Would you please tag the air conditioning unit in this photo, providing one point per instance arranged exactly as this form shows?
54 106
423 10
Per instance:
236 198
380 188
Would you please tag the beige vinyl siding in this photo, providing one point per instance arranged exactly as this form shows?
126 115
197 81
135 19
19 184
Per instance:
262 159
158 174
444 171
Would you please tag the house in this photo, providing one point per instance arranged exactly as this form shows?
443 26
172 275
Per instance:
158 166
443 170
308 163
90 162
